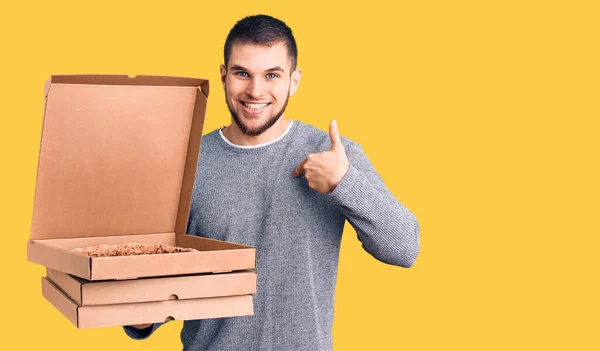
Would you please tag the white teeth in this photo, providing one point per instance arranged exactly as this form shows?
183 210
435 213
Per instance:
255 106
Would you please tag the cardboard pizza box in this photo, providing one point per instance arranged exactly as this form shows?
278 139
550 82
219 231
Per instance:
97 316
117 163
89 293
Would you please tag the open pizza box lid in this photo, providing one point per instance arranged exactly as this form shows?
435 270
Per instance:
117 163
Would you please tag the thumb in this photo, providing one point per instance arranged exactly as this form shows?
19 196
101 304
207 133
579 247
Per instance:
334 134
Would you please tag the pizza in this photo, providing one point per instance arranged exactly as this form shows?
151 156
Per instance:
129 249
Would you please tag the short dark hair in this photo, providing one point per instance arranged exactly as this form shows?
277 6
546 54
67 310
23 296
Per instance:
262 30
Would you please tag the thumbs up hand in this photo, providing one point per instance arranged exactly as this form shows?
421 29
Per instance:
325 170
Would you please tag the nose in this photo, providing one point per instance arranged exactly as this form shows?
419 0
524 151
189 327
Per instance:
255 88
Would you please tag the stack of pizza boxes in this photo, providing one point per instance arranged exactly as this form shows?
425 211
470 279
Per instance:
117 163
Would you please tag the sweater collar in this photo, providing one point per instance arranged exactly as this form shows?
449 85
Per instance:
289 127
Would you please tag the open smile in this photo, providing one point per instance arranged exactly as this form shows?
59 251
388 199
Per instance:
254 107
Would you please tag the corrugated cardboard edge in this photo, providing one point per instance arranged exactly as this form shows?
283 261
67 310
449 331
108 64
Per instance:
145 312
191 162
122 79
37 175
47 84
173 264
89 293
213 256
188 240
59 300
71 286
161 311
59 259
205 89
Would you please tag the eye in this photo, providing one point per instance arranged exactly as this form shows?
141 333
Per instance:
242 74
272 75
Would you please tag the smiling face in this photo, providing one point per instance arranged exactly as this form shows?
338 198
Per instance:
258 84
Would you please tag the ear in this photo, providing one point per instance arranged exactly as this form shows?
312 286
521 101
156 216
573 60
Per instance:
223 74
295 81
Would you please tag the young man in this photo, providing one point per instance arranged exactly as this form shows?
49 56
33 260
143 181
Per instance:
286 188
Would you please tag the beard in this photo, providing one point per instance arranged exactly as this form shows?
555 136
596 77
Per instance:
257 131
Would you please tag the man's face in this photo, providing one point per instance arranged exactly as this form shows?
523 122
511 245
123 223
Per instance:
257 85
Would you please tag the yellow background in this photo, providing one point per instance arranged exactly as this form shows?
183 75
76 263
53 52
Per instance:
481 117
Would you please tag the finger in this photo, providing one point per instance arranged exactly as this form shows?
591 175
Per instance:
300 169
334 134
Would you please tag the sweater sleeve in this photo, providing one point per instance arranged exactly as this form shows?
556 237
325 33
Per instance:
141 334
386 228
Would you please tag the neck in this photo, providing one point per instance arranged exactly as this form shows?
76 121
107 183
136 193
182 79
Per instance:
234 134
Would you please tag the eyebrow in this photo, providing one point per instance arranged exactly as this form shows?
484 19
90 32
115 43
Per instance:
274 69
